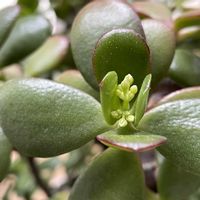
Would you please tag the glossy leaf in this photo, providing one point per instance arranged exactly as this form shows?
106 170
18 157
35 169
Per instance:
190 18
154 10
186 93
48 118
89 26
113 175
178 121
27 35
8 17
75 79
5 150
175 183
142 99
123 51
185 68
137 142
47 57
161 41
109 100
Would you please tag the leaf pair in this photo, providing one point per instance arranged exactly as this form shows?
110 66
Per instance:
129 138
19 37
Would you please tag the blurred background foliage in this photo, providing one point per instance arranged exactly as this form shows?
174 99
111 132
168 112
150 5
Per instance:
53 59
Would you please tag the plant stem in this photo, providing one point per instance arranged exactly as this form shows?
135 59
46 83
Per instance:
38 179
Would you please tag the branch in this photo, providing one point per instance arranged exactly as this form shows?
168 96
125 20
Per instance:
38 178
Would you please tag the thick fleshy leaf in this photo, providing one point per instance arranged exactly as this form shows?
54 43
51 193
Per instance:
175 183
186 93
161 41
123 51
27 6
185 68
93 21
138 142
5 150
47 57
8 17
75 79
188 34
154 10
109 100
27 34
42 118
113 175
142 99
179 122
190 18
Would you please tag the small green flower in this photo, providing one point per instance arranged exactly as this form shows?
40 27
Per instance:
118 103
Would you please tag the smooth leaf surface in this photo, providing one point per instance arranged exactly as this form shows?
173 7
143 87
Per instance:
137 142
185 68
175 183
75 79
8 17
89 26
161 41
109 100
48 118
179 122
142 99
113 175
123 51
5 150
27 35
186 93
47 57
154 10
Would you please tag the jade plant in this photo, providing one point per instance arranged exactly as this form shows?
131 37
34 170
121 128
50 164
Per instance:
125 75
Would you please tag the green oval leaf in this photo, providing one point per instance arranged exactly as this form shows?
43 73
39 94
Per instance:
185 68
48 118
123 51
113 175
27 35
8 17
137 142
189 18
188 34
89 26
161 41
75 79
47 57
175 183
186 93
5 150
178 121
